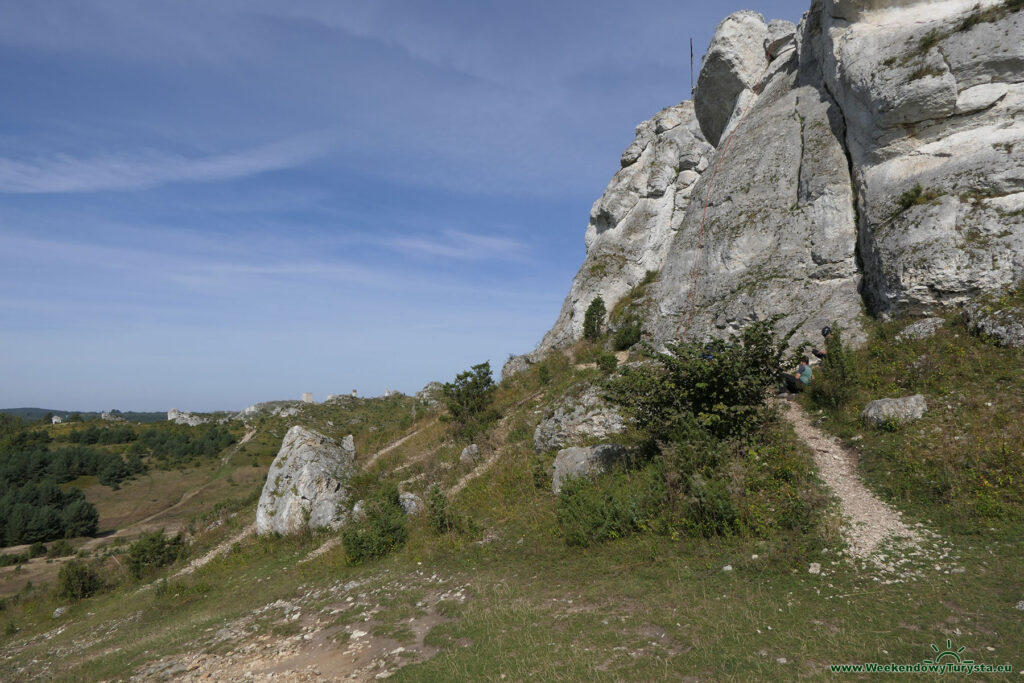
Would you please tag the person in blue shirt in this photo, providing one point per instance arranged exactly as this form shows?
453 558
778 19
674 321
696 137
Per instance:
798 381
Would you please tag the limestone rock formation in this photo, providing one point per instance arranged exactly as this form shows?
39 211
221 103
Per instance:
307 486
576 419
922 329
470 454
411 503
583 462
1005 327
894 410
870 159
183 417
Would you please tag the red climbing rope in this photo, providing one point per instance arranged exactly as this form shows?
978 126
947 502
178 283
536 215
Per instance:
691 295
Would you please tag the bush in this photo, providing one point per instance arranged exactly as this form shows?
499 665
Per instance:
442 518
607 362
152 551
77 580
383 530
469 397
628 334
611 506
593 319
833 386
543 374
723 391
60 548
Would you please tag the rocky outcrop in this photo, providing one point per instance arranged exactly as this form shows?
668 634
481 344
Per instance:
411 504
933 102
307 486
576 420
182 417
869 159
585 462
431 394
894 411
922 329
1003 326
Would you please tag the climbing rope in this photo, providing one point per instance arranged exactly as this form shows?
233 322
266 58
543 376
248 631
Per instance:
691 294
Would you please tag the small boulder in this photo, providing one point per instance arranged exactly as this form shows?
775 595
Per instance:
514 365
575 420
359 511
922 329
894 410
470 454
59 612
307 486
411 503
584 462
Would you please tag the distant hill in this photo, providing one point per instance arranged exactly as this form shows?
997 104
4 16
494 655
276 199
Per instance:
37 413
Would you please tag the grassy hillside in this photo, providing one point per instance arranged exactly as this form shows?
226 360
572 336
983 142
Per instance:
505 596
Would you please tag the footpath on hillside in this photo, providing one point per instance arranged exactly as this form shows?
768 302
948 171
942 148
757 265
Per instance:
874 532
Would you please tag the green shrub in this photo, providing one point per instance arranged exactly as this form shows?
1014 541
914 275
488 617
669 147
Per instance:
152 551
607 362
723 390
37 549
836 379
60 548
915 196
469 397
628 334
611 506
383 531
439 513
543 374
930 40
593 319
77 580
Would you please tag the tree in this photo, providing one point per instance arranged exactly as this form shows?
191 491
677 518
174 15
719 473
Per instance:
469 396
593 319
834 384
81 519
77 580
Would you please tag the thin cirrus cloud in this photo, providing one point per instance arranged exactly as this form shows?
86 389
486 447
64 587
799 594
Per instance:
63 173
463 246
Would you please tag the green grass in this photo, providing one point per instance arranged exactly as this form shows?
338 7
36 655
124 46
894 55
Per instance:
644 607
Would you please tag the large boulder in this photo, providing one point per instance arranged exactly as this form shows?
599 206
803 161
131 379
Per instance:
575 420
894 411
514 365
585 462
307 486
734 62
470 454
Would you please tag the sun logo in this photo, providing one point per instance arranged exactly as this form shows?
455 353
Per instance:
948 652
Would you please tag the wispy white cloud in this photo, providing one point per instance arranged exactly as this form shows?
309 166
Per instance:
455 244
131 171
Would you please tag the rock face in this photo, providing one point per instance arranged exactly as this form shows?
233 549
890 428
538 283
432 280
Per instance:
181 417
922 329
307 485
585 462
869 159
894 410
575 420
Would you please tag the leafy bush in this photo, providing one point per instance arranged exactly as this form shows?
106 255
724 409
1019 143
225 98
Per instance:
383 530
543 374
628 334
607 362
153 550
77 580
593 319
469 397
611 506
60 548
836 380
915 196
724 392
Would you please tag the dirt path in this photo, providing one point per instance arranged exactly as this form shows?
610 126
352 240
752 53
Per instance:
221 549
390 447
245 439
870 521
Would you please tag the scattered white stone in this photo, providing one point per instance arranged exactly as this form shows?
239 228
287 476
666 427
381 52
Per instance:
59 612
1020 605
782 660
727 568
815 568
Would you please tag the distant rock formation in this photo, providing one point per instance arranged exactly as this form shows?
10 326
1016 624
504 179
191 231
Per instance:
870 159
307 486
183 417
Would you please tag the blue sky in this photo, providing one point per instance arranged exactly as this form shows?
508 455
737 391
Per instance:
205 204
